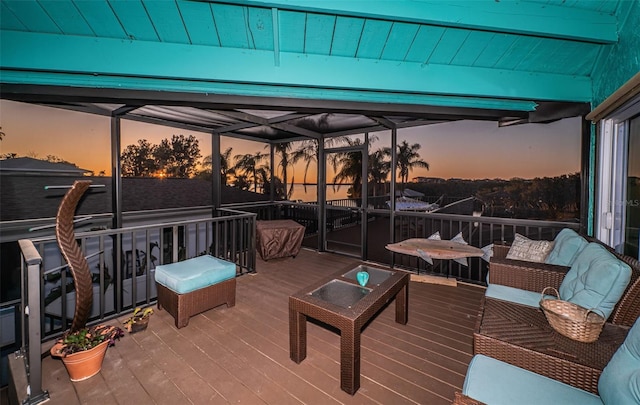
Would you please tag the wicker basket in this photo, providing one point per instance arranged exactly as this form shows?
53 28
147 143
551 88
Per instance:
571 320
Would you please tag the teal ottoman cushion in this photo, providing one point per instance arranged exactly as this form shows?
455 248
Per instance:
596 280
566 247
620 380
494 382
193 274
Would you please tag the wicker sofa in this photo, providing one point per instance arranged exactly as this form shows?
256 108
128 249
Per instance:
520 335
495 382
535 277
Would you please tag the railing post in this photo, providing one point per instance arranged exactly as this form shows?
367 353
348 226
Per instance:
31 325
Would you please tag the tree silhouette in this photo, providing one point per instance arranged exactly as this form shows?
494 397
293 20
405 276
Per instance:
139 160
248 165
179 156
378 170
226 172
348 168
242 182
287 159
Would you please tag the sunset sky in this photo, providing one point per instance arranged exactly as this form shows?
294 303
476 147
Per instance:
464 149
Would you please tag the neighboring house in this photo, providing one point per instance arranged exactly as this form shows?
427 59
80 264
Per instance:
407 192
25 187
27 165
26 196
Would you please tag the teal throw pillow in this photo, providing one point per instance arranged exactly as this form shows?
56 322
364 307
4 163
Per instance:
566 247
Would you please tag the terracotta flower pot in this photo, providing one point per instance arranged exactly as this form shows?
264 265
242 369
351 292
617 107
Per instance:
82 365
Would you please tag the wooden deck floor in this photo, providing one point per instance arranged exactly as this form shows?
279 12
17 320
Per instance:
241 354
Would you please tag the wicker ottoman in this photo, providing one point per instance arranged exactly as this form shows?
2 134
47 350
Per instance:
195 285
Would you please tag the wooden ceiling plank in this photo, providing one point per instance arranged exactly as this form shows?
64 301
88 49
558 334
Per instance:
101 19
346 36
260 28
199 23
529 18
294 24
28 14
424 43
170 26
318 34
135 20
374 37
67 17
228 18
399 41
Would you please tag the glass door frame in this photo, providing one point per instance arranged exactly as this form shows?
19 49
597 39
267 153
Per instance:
611 194
362 209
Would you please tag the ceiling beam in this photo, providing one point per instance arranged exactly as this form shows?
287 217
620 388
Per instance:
48 59
39 94
514 17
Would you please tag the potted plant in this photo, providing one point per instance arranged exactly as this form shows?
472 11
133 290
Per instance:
82 351
139 320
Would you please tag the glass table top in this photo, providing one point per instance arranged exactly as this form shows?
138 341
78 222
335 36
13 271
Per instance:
340 293
376 276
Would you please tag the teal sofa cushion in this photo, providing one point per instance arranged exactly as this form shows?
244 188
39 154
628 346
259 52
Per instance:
620 379
494 382
596 280
566 247
511 294
194 274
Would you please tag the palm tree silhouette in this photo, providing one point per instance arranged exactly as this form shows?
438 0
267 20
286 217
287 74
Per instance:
249 165
379 169
408 159
350 168
287 159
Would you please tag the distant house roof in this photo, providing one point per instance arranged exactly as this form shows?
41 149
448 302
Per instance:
407 192
24 196
24 165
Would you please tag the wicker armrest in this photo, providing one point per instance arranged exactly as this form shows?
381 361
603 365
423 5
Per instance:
500 250
461 399
528 276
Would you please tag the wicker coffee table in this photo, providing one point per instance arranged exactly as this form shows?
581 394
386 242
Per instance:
520 335
341 302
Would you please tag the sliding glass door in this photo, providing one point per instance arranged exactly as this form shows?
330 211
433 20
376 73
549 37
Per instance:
618 181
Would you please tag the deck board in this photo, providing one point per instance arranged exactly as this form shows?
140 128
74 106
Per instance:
241 354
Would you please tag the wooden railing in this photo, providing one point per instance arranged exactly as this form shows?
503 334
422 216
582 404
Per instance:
478 231
123 261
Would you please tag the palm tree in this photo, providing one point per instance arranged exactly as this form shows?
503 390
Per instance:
379 169
226 170
308 150
287 159
350 164
248 164
242 182
408 159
